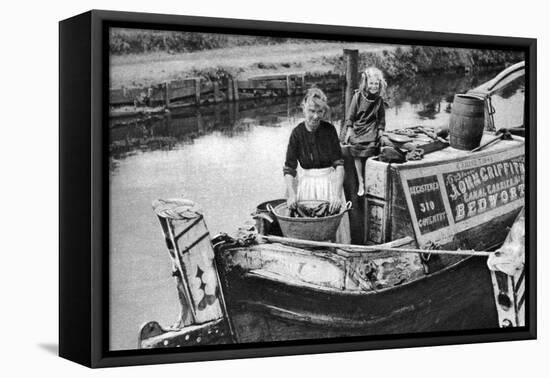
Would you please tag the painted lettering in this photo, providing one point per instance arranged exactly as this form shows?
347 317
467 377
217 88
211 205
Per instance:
462 187
482 205
483 174
521 190
504 196
471 209
460 213
493 200
513 194
454 192
490 172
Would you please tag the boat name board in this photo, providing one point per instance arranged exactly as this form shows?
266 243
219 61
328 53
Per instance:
448 198
475 190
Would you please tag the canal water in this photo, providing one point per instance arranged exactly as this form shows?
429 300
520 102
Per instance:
228 158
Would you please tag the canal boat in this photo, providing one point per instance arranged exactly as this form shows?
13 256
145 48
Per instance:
417 263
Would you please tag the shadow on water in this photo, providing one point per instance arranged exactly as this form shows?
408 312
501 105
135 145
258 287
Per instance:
428 94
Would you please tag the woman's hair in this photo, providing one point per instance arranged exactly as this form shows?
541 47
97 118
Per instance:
373 73
315 96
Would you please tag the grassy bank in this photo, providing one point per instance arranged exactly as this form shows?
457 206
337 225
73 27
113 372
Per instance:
155 57
239 61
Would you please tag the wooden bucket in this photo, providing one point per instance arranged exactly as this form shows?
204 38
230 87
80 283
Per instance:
467 122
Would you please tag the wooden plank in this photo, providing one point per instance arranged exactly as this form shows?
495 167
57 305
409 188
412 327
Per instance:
157 94
236 84
230 96
206 86
116 97
126 95
166 95
217 94
181 88
198 91
288 86
152 335
282 76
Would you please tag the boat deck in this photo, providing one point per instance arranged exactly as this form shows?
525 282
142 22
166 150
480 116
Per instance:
453 154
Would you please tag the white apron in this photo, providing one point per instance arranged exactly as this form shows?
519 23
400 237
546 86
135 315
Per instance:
320 184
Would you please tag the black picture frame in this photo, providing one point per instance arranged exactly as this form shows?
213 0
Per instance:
84 189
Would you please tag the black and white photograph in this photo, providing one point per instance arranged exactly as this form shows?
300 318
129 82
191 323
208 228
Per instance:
267 188
275 189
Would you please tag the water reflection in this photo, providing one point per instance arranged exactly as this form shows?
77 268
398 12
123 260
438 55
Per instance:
425 97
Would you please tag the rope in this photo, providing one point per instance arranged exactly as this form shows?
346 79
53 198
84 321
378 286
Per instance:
490 111
373 248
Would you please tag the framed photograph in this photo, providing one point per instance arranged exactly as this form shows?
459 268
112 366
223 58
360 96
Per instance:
234 188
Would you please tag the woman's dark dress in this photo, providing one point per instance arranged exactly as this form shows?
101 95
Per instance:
313 150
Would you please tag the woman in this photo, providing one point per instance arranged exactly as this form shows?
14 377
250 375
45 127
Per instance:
315 145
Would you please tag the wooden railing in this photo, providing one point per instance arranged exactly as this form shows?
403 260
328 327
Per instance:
201 91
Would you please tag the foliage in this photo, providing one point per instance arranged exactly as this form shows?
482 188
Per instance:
406 62
136 41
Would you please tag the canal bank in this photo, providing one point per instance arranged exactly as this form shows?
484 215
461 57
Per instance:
191 79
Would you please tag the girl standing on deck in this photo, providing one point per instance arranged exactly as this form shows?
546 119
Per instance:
366 121
315 145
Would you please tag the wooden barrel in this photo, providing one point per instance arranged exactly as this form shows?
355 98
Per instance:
467 122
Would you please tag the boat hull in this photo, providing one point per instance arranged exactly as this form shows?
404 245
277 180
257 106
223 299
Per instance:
456 298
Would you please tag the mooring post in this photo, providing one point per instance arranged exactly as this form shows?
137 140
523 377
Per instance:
352 75
198 90
166 95
236 89
288 86
356 215
217 96
229 83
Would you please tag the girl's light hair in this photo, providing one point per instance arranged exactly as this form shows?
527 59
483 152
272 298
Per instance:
373 73
315 96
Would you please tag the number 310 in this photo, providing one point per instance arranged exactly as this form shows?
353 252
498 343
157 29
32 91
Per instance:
427 206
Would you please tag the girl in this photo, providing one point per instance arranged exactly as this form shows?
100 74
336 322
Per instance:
366 120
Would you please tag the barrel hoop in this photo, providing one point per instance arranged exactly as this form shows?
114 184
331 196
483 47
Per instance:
468 114
188 248
184 231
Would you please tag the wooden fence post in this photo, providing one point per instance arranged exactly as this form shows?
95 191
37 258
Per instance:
236 89
217 96
198 91
229 82
166 94
288 86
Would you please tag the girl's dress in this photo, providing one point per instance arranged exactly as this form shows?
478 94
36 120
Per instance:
367 118
318 153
